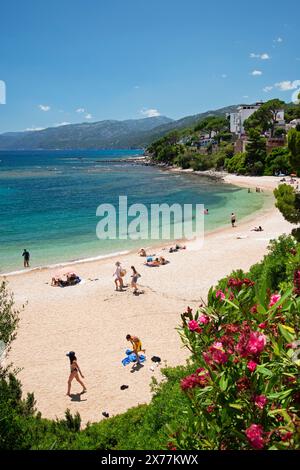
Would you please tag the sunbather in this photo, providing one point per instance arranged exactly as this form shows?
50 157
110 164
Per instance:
257 229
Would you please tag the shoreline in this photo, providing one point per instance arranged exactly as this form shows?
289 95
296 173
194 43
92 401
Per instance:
93 319
221 176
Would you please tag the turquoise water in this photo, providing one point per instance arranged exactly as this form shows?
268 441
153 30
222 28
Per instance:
48 202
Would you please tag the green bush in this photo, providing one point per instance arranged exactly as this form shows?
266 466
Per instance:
236 164
277 161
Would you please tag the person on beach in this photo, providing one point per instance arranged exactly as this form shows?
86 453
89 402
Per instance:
118 276
257 229
136 345
206 211
26 256
142 252
74 373
134 277
233 219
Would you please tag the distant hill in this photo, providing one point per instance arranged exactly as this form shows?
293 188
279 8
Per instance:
131 133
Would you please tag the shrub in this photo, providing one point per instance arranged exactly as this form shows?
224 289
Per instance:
236 164
244 390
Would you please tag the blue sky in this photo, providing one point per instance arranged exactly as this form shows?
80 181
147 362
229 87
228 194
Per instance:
67 61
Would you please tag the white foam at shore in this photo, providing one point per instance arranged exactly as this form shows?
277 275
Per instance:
66 263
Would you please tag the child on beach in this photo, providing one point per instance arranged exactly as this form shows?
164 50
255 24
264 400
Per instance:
137 346
118 276
134 277
74 373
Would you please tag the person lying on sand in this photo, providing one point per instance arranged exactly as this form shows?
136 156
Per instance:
257 229
176 248
75 369
136 345
71 280
142 252
153 263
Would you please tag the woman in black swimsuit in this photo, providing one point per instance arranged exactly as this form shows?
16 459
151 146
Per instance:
74 374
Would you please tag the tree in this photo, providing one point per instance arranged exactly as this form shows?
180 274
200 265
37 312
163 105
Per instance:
294 148
265 117
212 124
236 164
272 108
8 318
278 161
256 152
288 202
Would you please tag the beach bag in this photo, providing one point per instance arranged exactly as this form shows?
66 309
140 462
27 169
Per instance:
123 273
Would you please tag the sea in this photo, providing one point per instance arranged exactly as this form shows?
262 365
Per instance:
49 201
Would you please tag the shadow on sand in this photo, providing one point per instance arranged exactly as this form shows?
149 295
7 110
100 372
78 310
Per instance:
77 397
136 368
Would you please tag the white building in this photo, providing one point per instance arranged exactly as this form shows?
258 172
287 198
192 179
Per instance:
293 124
237 119
244 112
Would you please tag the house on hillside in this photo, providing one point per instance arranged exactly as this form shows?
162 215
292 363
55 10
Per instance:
271 143
244 112
237 119
293 124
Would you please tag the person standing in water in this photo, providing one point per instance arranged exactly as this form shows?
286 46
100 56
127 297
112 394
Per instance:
74 373
233 219
26 256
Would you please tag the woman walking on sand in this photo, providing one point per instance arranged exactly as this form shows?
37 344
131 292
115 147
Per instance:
134 277
74 374
118 276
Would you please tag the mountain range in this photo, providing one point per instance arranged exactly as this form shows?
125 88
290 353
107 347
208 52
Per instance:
132 133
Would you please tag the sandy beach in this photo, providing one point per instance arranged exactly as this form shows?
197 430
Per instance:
93 319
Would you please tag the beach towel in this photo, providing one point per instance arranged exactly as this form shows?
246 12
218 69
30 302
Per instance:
131 357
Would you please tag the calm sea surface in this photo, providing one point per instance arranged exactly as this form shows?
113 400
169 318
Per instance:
48 202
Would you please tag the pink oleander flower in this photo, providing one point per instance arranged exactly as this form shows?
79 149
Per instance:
220 295
253 309
260 401
199 379
287 436
297 282
252 366
263 325
251 343
210 408
218 354
255 436
243 384
274 299
193 325
203 319
256 343
231 296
